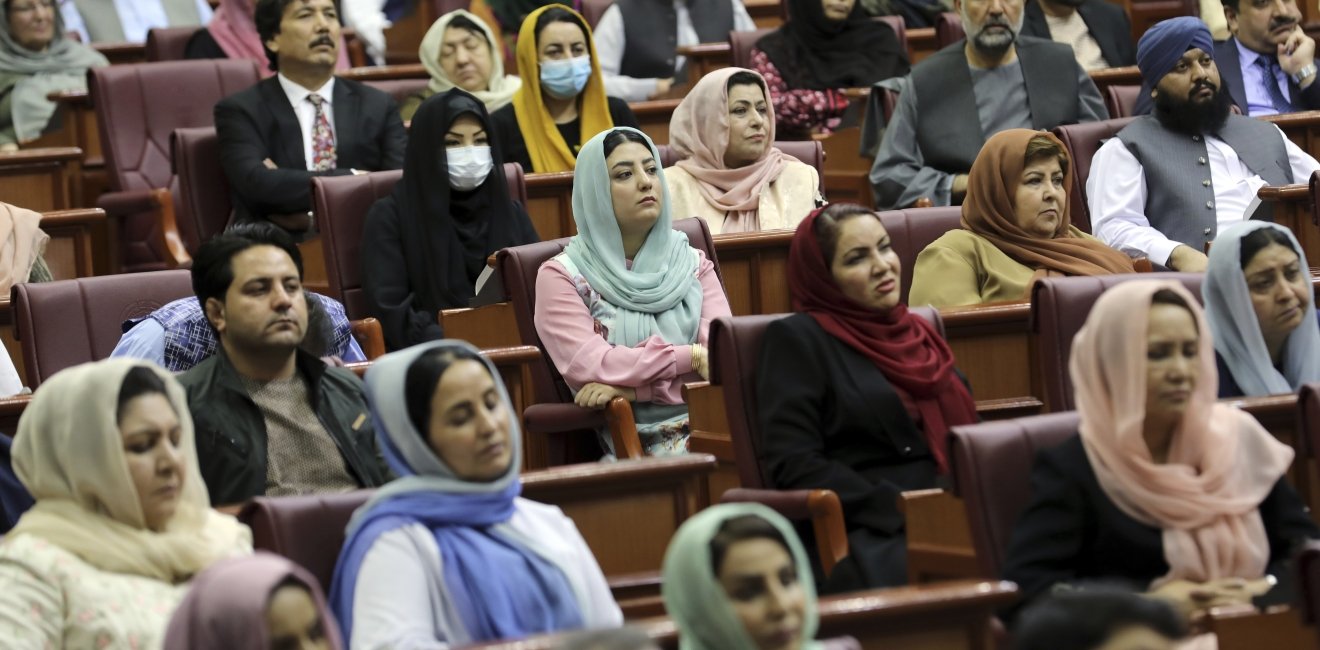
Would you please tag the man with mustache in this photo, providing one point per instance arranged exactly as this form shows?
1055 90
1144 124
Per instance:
303 122
1097 30
960 96
1268 65
269 417
1170 180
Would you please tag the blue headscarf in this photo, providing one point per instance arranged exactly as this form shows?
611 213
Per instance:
501 587
1162 46
660 293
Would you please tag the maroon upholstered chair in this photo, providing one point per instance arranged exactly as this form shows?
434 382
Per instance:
168 43
1308 581
991 468
810 152
1121 100
204 206
68 322
309 530
912 230
554 411
1082 141
592 10
948 29
1059 307
138 107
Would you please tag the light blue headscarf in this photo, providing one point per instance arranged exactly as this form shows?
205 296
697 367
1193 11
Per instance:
1234 326
660 294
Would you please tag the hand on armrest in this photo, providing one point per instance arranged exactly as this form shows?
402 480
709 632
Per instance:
597 396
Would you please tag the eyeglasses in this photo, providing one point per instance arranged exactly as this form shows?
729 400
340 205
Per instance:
48 5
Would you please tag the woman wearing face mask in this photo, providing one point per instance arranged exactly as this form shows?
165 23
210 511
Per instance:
730 173
625 310
546 124
1163 487
258 602
425 245
122 520
449 554
1258 300
459 51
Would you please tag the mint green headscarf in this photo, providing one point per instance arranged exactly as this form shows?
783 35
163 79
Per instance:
660 293
694 597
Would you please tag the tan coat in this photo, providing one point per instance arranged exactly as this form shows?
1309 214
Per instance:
789 199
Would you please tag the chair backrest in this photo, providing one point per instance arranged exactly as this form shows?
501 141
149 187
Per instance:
948 29
1121 100
1082 141
341 204
206 206
592 10
741 45
168 43
991 468
735 352
68 322
912 230
309 530
1059 307
811 152
1308 581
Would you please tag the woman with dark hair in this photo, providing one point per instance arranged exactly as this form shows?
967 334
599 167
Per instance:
36 58
122 520
1163 487
449 554
1258 302
425 245
459 51
625 310
729 172
562 103
823 48
856 393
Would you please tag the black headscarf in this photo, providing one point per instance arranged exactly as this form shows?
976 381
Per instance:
814 52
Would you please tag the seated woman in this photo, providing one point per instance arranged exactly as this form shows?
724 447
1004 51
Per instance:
825 47
262 601
449 554
36 59
1015 229
459 52
425 245
1257 295
122 519
856 393
549 119
731 174
1162 487
232 34
625 310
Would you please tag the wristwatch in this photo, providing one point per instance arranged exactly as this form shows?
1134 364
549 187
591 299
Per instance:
1305 72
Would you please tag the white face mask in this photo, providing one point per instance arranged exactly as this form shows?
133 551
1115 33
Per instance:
468 166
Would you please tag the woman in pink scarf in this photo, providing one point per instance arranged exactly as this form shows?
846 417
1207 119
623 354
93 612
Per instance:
232 34
1164 488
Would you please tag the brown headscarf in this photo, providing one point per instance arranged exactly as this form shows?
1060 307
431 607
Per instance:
989 212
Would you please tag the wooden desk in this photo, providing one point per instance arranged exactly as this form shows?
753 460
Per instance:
1303 129
122 52
653 117
41 179
1294 208
1122 76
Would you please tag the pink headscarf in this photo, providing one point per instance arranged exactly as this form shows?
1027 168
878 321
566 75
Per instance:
699 134
1221 465
235 32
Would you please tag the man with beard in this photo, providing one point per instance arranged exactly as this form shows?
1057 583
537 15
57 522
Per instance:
1165 185
302 122
960 96
1097 30
1268 65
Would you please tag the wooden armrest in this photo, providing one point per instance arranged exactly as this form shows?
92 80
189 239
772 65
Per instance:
40 155
169 229
385 72
73 218
704 50
76 98
822 507
1300 192
623 429
857 93
370 336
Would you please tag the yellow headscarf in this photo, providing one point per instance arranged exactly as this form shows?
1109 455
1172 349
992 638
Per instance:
545 146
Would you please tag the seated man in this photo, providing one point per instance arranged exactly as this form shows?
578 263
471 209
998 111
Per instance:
120 21
302 122
639 62
1165 185
1268 65
958 97
270 418
1097 30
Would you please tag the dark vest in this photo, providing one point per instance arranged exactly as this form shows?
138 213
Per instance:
949 129
650 32
1180 198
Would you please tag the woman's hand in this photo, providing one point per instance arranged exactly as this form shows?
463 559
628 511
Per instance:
597 396
1193 597
9 147
701 361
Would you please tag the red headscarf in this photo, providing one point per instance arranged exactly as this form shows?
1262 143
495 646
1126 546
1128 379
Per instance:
906 348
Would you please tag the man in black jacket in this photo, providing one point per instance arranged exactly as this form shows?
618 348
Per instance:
270 418
1097 30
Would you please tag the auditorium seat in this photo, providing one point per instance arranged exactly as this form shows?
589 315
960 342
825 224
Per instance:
168 43
912 230
991 469
1082 141
807 151
948 29
592 10
309 529
138 107
205 206
1059 307
1121 100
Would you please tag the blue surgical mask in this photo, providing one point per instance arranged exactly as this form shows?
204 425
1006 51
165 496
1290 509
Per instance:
565 78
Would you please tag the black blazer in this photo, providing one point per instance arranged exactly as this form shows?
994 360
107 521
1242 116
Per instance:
1230 74
1072 532
259 123
1105 20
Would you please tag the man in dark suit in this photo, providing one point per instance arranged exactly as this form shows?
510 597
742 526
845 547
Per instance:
1268 65
1097 30
302 122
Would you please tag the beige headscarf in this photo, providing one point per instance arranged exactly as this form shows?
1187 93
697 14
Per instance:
501 88
22 243
1221 465
70 456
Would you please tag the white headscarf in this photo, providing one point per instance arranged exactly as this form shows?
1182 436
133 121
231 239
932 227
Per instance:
501 87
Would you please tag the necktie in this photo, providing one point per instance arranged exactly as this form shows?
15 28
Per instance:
323 139
1267 67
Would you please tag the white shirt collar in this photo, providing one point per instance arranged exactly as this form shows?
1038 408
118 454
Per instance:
297 94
